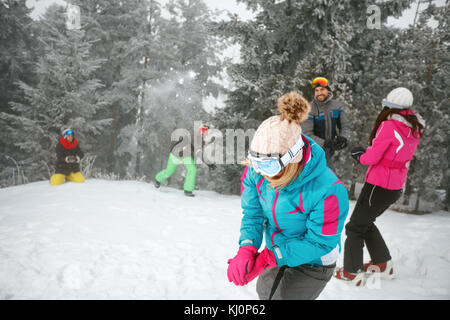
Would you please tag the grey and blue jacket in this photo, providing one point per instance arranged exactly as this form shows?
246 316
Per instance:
326 121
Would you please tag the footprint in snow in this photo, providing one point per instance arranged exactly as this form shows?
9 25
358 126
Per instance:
70 277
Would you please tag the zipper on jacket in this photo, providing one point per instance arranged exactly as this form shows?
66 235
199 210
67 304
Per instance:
328 123
273 210
275 218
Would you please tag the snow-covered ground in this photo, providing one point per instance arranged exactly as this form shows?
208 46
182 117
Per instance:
127 240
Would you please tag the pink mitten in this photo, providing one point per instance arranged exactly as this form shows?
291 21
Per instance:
241 264
266 259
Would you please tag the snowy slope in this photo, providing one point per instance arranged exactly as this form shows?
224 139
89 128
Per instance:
127 240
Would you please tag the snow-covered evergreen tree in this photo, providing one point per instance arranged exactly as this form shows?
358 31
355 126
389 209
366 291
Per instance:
182 61
115 26
288 43
17 55
66 95
426 69
180 93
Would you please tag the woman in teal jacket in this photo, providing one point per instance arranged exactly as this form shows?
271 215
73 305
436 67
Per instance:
292 197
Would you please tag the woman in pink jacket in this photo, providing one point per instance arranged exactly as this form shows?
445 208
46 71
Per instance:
393 142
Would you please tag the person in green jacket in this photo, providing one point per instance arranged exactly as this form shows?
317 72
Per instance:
180 155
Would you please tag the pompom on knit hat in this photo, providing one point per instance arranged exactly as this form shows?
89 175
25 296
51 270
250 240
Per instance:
399 98
277 134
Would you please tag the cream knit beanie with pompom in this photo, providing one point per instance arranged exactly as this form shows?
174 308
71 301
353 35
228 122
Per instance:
277 134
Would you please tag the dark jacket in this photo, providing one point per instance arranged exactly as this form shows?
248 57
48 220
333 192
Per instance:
64 149
326 121
185 146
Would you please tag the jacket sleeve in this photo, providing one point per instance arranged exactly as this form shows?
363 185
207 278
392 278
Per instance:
173 144
344 124
308 129
383 139
60 154
80 152
321 240
253 220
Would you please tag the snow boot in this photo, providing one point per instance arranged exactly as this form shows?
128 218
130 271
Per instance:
385 269
188 193
157 184
357 279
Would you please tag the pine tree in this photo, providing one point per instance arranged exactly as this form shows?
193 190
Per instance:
114 28
145 51
148 60
182 61
426 68
16 61
65 96
288 43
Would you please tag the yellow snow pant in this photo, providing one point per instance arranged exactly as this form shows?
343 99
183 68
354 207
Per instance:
59 178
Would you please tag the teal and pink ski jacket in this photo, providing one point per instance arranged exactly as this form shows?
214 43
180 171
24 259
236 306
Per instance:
302 222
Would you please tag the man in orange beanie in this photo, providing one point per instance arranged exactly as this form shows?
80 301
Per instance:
327 123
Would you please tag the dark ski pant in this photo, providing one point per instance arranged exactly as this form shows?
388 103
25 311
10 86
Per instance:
360 230
304 282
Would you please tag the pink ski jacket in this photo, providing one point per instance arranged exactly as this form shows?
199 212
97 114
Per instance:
392 148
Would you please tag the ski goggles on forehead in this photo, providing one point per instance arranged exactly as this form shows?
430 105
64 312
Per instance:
271 165
320 81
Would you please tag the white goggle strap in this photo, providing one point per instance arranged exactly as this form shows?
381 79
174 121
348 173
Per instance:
386 103
293 152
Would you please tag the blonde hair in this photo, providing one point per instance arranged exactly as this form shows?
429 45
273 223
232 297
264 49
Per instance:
288 174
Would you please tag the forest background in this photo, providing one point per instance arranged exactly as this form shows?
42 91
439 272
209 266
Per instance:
130 72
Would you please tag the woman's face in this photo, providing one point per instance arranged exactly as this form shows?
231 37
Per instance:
70 138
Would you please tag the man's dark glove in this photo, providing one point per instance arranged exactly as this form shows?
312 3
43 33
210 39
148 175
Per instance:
212 166
357 152
339 143
328 144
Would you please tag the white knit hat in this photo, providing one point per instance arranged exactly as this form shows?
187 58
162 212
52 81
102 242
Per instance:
399 98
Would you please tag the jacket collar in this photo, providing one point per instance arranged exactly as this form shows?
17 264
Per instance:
403 120
68 145
314 166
